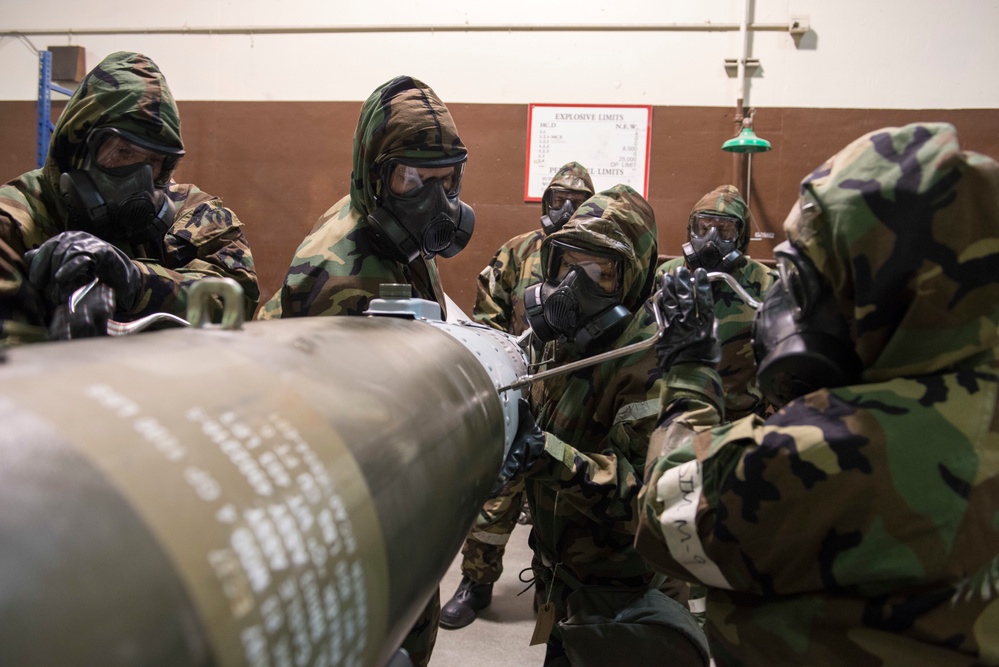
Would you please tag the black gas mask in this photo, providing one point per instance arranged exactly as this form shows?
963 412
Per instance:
120 193
419 213
800 339
580 298
713 244
560 204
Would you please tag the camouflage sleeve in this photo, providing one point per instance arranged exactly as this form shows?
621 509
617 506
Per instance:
735 324
336 271
208 241
855 490
22 311
496 283
310 290
603 484
692 404
21 319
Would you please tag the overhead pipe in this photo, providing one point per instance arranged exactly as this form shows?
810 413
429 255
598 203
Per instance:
741 65
742 27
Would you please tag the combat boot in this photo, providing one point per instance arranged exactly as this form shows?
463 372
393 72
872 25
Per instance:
466 603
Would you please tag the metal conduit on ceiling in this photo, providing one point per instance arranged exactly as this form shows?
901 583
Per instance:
793 27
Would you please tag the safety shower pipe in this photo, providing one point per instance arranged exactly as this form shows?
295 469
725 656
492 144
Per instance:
741 65
494 27
740 102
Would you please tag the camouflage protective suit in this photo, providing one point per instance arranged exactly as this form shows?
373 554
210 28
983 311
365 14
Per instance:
856 526
733 315
339 266
499 303
597 420
126 91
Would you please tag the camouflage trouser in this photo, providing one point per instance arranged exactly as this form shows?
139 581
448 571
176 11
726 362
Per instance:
419 643
482 554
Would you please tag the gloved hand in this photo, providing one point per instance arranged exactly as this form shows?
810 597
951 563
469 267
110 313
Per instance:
72 259
527 447
88 318
689 310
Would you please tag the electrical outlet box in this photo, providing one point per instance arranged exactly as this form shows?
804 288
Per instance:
69 63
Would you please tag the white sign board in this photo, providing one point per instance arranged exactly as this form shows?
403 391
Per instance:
612 142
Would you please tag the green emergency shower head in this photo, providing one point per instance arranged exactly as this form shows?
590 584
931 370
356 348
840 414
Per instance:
746 142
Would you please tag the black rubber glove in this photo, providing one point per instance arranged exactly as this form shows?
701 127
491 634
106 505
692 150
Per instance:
689 310
527 447
88 318
70 260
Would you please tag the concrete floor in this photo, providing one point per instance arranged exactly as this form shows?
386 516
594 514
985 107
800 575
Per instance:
499 637
501 634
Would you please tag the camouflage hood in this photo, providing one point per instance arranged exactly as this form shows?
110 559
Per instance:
570 176
621 221
725 200
126 91
905 226
402 119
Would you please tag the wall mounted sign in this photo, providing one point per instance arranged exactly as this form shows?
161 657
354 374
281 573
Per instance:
612 142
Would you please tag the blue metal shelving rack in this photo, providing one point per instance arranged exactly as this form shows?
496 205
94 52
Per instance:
45 88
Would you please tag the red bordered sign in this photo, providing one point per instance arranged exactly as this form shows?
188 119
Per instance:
612 142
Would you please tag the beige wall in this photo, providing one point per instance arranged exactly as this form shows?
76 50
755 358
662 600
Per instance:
858 54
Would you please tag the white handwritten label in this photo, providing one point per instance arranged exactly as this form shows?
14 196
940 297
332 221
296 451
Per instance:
679 489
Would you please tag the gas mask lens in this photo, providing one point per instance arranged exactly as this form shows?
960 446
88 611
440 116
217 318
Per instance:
113 151
408 181
557 197
604 271
726 226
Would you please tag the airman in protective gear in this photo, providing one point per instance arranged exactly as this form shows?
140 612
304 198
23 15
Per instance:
402 211
722 215
105 205
584 450
499 303
855 526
